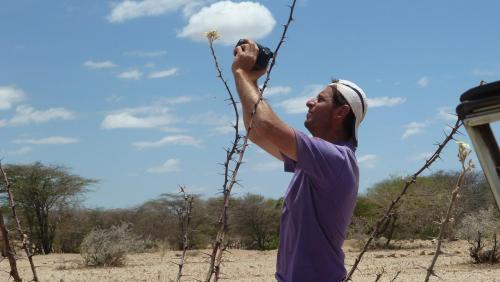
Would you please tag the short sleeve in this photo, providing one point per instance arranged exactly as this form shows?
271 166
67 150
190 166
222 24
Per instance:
318 158
288 163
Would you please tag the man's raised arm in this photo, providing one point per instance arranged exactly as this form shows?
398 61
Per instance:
268 131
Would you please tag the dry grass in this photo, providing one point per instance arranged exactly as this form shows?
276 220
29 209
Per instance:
411 258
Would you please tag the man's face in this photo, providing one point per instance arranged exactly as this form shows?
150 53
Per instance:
320 113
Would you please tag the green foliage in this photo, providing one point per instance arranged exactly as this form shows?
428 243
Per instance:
256 221
48 198
42 192
422 207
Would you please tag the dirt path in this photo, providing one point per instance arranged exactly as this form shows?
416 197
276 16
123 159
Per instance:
242 266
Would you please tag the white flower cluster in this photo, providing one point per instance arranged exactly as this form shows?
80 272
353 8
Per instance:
212 35
463 151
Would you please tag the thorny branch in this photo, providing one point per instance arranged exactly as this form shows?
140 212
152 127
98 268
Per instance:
394 202
222 222
186 220
9 251
463 154
219 247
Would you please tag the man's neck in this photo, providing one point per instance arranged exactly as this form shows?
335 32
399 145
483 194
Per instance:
333 137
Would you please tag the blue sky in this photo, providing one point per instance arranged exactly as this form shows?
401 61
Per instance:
126 91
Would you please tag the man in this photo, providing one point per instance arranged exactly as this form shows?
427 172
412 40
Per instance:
322 194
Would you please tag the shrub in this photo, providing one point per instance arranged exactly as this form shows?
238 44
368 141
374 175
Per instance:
477 228
481 255
109 247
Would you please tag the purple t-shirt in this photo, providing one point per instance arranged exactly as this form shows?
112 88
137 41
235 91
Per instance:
317 210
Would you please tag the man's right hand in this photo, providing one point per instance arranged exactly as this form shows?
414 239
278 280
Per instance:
245 56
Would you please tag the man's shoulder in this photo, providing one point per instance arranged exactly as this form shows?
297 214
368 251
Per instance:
341 148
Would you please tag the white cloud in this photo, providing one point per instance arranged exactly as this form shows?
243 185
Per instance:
128 10
146 54
209 118
192 7
276 90
164 73
53 140
447 114
297 105
233 21
268 166
141 117
385 101
168 140
224 129
225 125
26 115
413 128
368 160
423 81
170 129
171 165
99 65
176 100
131 74
9 96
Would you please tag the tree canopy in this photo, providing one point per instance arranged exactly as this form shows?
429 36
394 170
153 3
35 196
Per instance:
41 189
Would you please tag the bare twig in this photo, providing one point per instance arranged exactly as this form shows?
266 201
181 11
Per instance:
493 255
218 262
282 40
396 276
466 167
394 202
393 226
9 251
379 275
186 220
22 235
219 246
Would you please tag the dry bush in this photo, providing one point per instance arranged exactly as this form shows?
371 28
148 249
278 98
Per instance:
479 254
109 247
481 229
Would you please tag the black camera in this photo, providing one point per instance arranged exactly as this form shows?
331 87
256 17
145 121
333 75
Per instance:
265 54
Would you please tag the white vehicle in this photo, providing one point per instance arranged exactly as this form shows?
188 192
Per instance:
480 109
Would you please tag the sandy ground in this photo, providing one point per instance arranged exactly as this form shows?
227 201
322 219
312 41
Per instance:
410 260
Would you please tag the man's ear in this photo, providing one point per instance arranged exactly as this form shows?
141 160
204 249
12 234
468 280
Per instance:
342 111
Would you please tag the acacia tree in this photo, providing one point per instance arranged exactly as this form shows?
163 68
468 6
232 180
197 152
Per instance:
42 190
423 204
256 220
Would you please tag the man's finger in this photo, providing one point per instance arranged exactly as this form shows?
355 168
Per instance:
237 50
253 46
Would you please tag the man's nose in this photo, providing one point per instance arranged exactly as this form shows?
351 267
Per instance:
310 102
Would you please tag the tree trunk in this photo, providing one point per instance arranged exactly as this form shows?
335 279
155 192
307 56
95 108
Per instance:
393 226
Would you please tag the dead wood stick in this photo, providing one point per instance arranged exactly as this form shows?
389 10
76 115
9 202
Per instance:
463 154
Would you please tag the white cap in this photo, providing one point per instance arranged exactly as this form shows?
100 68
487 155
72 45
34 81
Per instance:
356 98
